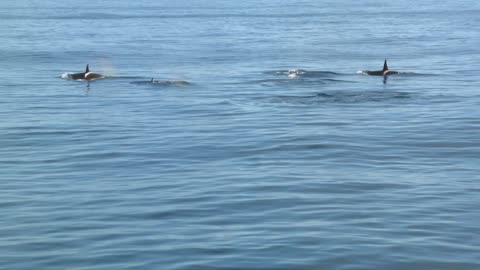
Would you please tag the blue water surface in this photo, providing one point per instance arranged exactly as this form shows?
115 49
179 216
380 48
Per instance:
258 145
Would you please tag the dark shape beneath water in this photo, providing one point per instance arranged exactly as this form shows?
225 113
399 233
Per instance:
153 82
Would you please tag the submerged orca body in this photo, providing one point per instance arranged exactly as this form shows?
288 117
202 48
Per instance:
384 72
161 83
151 81
87 75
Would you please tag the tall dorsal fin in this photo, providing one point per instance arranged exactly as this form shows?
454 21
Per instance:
87 70
385 66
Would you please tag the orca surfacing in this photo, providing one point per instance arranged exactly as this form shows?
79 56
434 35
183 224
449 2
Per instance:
91 75
384 72
87 75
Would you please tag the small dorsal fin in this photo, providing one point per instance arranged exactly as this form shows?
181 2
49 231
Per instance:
385 66
87 70
151 80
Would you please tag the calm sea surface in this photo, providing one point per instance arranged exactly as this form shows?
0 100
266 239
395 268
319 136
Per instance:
228 160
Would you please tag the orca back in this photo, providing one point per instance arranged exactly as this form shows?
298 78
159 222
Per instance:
77 76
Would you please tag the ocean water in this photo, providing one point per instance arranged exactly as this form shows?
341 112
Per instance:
258 145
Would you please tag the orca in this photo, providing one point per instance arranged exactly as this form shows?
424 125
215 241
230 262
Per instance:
77 76
91 75
87 75
384 72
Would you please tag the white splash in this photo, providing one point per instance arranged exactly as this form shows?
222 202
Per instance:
292 73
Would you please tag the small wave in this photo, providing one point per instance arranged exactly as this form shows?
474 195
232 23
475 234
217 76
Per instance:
341 97
362 72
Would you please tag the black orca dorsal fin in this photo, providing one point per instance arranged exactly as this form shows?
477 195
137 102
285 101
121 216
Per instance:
87 70
385 66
